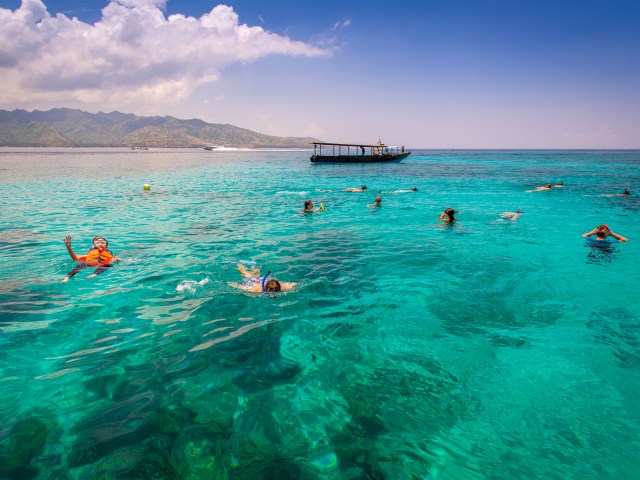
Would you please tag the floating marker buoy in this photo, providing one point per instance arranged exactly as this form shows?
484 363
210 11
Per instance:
146 187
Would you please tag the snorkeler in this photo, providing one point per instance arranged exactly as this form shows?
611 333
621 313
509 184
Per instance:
448 216
98 256
602 232
413 189
353 189
513 216
377 202
255 283
546 187
308 207
626 192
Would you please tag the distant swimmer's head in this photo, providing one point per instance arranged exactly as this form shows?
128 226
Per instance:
308 205
626 192
363 187
272 286
601 229
548 185
378 200
414 189
100 242
559 184
450 212
519 211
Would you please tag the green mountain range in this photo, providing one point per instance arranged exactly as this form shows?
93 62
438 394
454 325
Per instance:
65 127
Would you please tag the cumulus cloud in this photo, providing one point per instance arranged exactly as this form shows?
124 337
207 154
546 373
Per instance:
133 54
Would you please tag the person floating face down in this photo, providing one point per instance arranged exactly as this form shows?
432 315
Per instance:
448 216
513 216
256 283
98 256
602 232
353 189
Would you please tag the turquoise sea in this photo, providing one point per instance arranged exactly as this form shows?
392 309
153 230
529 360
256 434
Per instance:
410 349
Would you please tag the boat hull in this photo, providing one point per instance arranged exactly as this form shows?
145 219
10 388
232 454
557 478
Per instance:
384 158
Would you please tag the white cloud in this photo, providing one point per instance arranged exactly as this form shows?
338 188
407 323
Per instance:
341 24
134 55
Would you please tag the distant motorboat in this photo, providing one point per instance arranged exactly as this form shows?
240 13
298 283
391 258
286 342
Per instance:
357 153
215 147
139 147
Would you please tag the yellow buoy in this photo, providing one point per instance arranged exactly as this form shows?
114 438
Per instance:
147 187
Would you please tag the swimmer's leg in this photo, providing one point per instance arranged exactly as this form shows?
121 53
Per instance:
79 266
100 269
255 271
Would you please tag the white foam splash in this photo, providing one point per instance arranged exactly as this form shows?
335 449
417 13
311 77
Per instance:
190 285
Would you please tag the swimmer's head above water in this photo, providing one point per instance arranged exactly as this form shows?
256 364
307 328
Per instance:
100 242
272 286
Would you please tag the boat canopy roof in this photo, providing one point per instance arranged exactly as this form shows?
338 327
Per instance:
357 145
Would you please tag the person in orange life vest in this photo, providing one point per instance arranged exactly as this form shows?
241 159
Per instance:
98 256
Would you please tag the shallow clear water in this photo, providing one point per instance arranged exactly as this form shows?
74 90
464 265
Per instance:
410 349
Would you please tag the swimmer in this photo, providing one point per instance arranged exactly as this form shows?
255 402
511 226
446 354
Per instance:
623 194
602 232
413 189
559 184
98 256
377 202
308 207
255 283
448 216
513 216
361 189
546 187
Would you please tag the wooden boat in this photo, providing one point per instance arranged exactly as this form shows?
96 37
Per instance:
357 153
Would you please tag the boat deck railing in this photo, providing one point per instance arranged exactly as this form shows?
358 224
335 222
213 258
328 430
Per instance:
349 150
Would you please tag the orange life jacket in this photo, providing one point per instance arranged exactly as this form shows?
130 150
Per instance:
96 257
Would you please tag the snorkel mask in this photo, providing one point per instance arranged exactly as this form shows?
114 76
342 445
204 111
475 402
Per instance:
105 242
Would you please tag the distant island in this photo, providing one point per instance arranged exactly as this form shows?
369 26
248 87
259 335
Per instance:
65 127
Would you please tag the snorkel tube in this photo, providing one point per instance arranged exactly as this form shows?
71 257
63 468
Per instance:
264 280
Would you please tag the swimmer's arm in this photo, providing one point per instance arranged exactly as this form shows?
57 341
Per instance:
257 288
592 232
254 273
67 242
620 238
287 285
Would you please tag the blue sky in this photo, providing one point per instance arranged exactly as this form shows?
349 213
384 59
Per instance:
432 74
